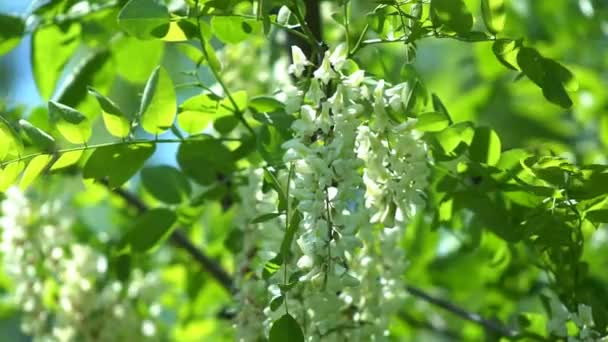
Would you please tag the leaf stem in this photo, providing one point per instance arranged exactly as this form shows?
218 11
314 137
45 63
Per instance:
237 111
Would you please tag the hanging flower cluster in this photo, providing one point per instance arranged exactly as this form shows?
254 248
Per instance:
63 287
355 176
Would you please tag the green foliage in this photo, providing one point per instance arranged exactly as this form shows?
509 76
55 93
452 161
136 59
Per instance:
117 163
516 194
286 328
149 230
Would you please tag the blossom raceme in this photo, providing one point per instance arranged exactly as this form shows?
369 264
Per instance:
63 287
355 176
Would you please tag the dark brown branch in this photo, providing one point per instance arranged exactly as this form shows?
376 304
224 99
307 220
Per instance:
423 324
489 325
179 239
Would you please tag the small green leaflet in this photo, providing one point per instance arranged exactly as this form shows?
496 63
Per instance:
10 35
265 217
149 230
451 16
38 137
204 160
276 302
10 144
158 103
432 122
553 78
196 113
166 184
265 104
144 19
286 329
506 51
48 61
33 170
485 147
273 265
114 118
233 30
67 159
117 163
9 174
494 15
72 124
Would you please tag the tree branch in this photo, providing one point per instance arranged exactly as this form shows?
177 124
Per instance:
487 324
179 239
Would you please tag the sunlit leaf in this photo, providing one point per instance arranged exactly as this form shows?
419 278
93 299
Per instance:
196 113
11 32
72 124
494 15
144 19
432 122
9 174
67 159
38 137
48 60
114 119
158 103
33 170
117 163
485 147
234 30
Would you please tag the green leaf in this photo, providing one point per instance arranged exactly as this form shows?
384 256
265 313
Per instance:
227 107
33 170
158 103
485 147
506 51
10 143
12 30
494 15
114 118
144 19
438 106
265 104
205 160
265 217
127 53
196 113
285 329
451 16
48 60
270 141
67 159
72 124
9 175
225 124
166 184
432 122
38 137
450 138
550 76
233 30
276 302
149 230
93 68
117 163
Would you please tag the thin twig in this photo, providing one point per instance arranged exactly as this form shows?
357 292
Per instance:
179 239
487 324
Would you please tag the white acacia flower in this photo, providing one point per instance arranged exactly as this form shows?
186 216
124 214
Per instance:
325 72
300 62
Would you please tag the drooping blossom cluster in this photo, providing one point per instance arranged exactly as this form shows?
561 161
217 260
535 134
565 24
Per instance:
357 177
63 287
